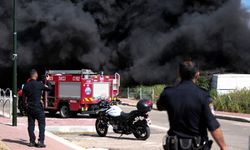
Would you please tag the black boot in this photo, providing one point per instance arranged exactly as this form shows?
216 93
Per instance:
40 144
32 144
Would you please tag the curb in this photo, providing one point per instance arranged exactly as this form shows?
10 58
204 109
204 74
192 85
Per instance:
127 104
233 118
70 129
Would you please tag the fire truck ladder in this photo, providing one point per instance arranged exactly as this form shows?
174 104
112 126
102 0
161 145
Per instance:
117 77
83 72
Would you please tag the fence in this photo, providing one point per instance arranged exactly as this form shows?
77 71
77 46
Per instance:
137 93
6 103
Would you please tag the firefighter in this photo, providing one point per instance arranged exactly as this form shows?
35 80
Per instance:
189 113
32 92
20 102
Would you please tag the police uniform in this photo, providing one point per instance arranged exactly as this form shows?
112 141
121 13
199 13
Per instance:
35 111
188 111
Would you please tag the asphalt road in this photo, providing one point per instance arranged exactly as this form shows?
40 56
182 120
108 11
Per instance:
236 135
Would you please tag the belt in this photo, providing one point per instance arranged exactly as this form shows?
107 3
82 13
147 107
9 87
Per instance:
195 143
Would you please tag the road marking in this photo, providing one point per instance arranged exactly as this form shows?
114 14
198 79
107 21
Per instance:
159 127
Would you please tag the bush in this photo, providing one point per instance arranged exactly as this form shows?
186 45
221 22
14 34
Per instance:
237 101
203 82
158 89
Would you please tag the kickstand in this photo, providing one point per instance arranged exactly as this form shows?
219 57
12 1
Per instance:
120 135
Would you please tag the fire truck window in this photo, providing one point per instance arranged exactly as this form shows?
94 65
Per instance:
86 76
115 86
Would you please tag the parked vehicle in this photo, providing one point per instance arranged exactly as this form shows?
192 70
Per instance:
79 91
226 83
136 122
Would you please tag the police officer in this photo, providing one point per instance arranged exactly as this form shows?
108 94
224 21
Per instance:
32 93
189 113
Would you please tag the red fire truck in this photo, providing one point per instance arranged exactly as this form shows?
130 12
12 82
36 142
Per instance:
79 91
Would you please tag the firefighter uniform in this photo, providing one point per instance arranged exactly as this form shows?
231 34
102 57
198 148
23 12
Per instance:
33 91
189 114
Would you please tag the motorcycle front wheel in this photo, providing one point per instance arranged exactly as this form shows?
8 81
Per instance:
101 127
142 132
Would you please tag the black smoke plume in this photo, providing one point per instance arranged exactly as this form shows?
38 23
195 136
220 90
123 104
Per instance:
141 39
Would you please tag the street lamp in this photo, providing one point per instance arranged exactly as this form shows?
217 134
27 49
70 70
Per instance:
14 58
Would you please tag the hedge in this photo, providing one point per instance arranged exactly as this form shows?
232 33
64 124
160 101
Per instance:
237 101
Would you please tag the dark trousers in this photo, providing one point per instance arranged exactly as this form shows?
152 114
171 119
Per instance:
40 117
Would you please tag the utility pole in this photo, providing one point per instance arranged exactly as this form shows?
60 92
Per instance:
14 59
249 143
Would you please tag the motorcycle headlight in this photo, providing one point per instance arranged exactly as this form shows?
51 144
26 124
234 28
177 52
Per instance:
103 97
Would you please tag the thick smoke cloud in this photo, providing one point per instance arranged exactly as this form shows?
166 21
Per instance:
141 39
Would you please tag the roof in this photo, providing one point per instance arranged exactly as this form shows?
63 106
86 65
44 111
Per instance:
83 71
232 75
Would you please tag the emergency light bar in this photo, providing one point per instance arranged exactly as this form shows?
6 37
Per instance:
83 72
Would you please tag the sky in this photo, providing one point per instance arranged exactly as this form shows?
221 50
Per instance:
246 3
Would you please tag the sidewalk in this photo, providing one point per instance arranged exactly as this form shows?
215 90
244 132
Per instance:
219 114
16 138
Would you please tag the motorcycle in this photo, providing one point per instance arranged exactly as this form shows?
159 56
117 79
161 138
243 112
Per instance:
136 122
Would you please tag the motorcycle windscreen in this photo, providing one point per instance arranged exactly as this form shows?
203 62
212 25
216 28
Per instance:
101 89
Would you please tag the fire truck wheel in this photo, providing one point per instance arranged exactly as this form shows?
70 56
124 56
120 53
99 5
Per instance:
65 111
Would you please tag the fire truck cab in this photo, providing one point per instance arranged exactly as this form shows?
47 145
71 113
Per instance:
79 91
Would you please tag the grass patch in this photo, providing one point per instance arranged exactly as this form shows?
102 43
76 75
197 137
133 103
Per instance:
237 101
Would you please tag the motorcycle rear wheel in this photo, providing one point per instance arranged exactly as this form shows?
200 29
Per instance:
142 132
101 127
